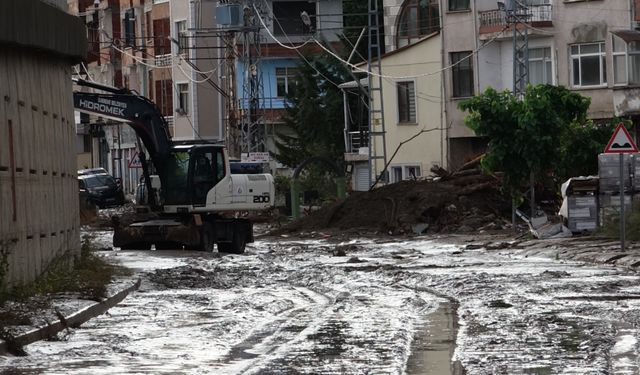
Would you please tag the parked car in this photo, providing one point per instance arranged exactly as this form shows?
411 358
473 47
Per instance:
101 189
84 172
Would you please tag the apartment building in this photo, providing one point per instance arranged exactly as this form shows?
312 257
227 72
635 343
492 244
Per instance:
197 70
586 46
129 46
407 100
590 47
277 64
151 47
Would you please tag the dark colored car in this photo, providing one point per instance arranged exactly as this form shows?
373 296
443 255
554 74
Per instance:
101 189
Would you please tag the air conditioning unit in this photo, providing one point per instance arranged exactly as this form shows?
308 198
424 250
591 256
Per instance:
229 16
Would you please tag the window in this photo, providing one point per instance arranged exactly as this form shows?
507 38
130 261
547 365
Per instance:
163 97
183 37
86 142
183 99
455 5
285 81
405 172
626 62
462 74
417 19
540 71
160 33
130 28
406 102
288 18
588 64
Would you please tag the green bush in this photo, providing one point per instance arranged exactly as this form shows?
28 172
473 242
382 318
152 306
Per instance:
611 226
87 274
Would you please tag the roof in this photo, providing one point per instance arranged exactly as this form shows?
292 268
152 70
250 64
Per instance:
402 49
39 26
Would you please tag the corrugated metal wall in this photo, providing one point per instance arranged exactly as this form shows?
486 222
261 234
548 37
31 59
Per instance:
39 217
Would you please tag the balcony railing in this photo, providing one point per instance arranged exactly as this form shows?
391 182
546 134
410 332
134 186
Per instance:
169 120
497 18
163 60
355 140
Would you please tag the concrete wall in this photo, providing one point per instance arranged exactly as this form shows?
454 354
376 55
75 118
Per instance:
39 217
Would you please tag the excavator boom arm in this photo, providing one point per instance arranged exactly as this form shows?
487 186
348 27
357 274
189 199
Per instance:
139 112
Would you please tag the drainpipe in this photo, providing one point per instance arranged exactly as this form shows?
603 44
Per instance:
476 77
444 132
192 86
346 121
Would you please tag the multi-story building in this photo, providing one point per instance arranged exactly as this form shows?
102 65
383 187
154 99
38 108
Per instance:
587 46
288 23
198 90
407 100
156 48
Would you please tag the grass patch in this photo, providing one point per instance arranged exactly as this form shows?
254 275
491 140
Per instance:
611 227
87 275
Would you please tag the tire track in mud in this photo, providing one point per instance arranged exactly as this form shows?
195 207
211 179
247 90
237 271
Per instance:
250 354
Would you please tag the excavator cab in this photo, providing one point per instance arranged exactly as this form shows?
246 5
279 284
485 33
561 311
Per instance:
192 172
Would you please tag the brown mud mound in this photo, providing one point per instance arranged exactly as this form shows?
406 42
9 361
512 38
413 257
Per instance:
452 204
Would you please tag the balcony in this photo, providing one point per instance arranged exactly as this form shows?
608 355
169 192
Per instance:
163 60
356 147
493 21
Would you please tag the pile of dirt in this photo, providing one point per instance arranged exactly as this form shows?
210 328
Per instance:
462 202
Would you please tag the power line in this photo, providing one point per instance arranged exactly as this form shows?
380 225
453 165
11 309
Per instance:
361 70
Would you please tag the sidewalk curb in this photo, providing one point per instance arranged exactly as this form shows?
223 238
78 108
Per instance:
72 321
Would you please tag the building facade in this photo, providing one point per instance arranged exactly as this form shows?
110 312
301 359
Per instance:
276 64
197 71
589 47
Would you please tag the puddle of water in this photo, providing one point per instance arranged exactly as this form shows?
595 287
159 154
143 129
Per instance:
433 347
624 353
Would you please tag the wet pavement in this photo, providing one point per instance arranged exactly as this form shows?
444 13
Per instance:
388 306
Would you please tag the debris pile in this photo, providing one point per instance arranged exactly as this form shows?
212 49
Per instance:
464 201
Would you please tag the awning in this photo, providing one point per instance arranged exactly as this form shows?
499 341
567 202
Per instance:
628 35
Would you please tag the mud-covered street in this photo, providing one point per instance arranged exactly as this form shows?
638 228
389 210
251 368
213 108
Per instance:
360 307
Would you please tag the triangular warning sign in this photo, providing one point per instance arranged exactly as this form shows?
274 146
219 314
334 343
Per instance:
135 161
620 142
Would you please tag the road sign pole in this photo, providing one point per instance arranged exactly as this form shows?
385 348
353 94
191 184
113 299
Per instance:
622 202
621 143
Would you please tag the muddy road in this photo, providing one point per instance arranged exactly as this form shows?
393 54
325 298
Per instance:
358 307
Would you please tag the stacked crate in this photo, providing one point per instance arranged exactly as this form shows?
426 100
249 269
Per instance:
582 204
609 173
583 213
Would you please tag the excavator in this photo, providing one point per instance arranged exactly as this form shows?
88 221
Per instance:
192 199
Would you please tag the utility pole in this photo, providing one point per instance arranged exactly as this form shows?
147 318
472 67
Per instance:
245 126
253 127
517 16
233 129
